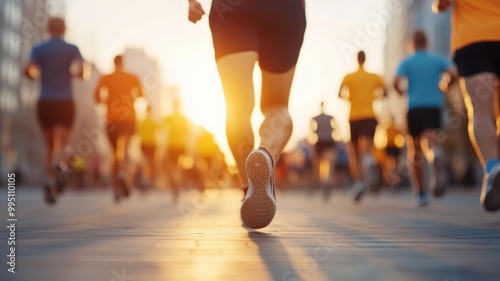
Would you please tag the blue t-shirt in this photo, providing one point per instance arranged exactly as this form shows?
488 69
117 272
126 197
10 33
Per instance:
423 71
54 58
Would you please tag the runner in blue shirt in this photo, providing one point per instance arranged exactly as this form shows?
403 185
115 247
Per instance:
426 84
53 62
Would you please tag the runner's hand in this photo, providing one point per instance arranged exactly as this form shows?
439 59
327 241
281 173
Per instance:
196 11
441 5
444 86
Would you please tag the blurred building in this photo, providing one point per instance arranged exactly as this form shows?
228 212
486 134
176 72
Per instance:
148 70
417 14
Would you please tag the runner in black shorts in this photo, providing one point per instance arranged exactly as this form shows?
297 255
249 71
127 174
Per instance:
361 89
55 107
245 32
363 128
424 70
476 45
323 127
123 89
53 113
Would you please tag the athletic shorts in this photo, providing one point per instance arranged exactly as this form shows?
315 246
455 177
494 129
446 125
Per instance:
52 113
392 151
273 28
364 127
173 154
423 119
115 129
148 150
478 58
323 146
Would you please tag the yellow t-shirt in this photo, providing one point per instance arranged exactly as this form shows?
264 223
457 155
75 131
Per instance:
362 86
475 21
147 130
178 130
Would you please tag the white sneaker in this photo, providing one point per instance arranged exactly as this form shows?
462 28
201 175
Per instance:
259 206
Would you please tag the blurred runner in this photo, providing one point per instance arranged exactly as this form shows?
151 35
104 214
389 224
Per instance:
323 126
476 47
207 152
393 145
57 62
424 72
362 89
271 33
148 129
122 89
178 132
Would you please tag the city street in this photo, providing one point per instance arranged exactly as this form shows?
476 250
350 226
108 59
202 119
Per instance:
88 237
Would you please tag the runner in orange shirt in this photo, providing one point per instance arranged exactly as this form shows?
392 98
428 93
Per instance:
476 46
122 90
363 88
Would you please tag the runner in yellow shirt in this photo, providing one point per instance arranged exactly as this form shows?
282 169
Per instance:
362 88
178 132
476 46
148 129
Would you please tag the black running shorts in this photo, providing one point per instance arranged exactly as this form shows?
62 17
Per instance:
52 113
273 28
478 58
115 129
423 119
322 146
364 127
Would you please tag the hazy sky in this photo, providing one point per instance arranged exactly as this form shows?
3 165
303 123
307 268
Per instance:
103 28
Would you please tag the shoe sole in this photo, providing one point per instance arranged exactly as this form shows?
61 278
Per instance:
491 201
258 210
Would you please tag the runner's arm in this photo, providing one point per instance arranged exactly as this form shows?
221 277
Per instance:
342 89
140 90
450 79
82 70
441 6
31 71
97 92
397 85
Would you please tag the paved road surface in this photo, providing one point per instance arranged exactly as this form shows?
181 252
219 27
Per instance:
87 237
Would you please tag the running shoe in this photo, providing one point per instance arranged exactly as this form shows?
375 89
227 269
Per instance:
372 175
359 191
50 193
60 172
422 200
259 206
490 192
122 188
439 180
